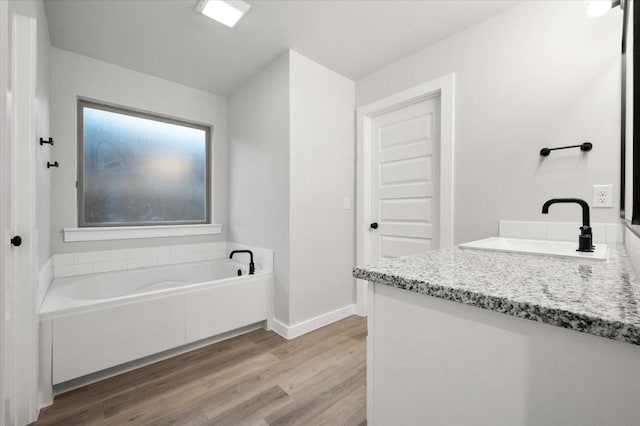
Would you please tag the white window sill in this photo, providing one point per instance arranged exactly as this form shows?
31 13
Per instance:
131 232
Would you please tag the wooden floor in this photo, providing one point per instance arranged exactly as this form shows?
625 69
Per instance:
258 378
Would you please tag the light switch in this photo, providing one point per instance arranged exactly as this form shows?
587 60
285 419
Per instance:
347 202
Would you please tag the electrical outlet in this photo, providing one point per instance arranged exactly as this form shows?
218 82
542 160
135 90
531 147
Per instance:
602 196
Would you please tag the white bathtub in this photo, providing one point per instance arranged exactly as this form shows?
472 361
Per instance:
99 321
75 294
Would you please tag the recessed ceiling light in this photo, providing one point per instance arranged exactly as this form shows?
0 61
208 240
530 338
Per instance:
227 12
598 7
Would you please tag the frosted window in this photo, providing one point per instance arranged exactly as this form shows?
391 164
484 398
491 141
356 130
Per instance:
140 170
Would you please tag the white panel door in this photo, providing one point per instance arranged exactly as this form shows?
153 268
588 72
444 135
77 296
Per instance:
7 259
405 180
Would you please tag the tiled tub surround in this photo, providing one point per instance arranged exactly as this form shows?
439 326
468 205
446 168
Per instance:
610 233
91 262
602 299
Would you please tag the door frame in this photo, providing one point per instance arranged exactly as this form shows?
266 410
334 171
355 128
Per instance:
18 290
5 166
444 87
24 217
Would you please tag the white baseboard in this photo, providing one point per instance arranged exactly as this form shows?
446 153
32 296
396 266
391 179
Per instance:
280 328
304 327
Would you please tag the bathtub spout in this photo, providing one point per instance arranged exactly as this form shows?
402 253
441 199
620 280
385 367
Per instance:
252 266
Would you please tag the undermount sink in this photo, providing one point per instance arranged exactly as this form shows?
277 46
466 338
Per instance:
538 247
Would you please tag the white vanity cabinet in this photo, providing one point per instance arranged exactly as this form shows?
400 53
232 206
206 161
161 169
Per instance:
437 362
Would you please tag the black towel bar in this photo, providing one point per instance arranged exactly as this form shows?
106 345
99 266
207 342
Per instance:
586 146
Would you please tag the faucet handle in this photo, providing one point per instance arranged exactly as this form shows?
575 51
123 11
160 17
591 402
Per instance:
585 230
585 239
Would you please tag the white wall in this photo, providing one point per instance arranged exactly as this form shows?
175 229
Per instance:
35 9
292 159
259 170
540 74
76 76
322 161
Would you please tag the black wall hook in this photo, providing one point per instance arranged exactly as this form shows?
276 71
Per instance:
586 146
50 141
49 165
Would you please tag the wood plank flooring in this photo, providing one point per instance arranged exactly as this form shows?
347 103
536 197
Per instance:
258 378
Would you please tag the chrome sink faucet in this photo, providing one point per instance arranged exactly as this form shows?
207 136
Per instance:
585 240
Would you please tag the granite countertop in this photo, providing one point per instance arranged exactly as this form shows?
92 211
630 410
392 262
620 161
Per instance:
600 298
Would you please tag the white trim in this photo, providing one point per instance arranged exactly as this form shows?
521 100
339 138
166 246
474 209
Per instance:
304 327
45 276
371 354
280 328
6 346
131 232
444 87
362 298
25 315
45 388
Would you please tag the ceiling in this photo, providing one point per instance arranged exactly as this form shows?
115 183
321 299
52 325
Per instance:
169 39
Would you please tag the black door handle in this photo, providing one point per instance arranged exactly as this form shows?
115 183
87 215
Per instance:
374 225
16 241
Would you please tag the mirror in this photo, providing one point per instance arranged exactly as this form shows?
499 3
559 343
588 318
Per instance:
630 140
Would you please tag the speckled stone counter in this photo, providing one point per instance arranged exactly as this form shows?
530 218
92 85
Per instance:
588 296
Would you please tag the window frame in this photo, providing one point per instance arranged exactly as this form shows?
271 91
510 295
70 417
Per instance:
81 104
